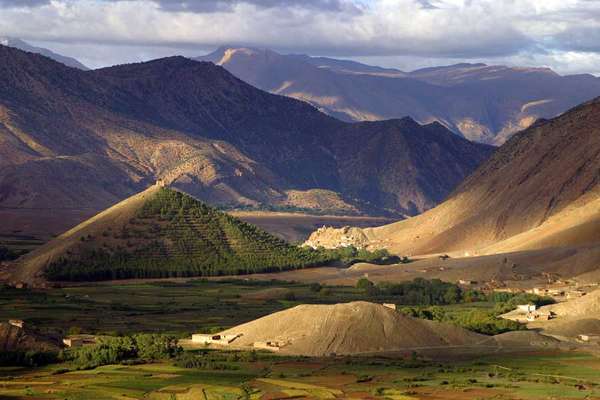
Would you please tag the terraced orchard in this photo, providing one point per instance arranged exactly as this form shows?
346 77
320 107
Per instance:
170 234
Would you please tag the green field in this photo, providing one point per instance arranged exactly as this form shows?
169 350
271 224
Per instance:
181 308
177 307
532 376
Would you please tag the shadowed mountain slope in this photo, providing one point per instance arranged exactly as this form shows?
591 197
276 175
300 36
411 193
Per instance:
433 163
485 103
71 138
540 189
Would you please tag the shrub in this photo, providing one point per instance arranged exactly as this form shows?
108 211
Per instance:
114 350
156 347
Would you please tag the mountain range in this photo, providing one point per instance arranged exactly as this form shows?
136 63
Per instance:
540 190
484 103
73 139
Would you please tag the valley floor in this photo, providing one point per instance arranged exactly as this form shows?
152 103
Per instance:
544 375
182 308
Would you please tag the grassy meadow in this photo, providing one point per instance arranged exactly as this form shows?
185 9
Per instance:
183 307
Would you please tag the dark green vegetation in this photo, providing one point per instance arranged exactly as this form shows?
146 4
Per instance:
477 318
506 302
475 310
174 235
9 254
151 366
138 348
27 358
181 308
168 307
419 291
351 255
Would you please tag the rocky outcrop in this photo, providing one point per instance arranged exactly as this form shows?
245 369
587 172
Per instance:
17 338
331 238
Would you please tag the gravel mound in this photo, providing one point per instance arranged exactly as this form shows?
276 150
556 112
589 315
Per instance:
349 328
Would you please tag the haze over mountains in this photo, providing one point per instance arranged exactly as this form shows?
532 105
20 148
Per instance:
485 103
87 139
22 45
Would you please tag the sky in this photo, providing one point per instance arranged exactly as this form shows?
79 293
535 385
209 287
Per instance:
406 34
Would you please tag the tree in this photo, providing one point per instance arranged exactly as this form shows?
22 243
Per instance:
452 295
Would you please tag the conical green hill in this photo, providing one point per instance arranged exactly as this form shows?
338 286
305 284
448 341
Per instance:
163 233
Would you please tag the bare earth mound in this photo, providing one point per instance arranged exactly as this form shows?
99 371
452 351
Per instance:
572 328
587 307
349 328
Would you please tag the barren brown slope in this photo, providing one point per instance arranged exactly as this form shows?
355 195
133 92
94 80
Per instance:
88 139
350 328
485 103
30 268
546 177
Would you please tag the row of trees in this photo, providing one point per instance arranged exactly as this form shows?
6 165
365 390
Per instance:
422 298
419 291
480 321
115 350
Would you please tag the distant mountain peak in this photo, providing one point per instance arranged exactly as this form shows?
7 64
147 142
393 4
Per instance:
22 45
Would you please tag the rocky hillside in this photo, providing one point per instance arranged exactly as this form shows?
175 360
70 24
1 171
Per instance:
160 233
540 189
72 140
486 103
16 339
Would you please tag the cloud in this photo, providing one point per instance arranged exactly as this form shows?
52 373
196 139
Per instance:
208 6
22 3
549 30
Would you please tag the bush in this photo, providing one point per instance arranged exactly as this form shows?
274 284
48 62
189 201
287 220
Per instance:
367 287
483 322
422 292
315 287
506 302
114 350
156 347
351 255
